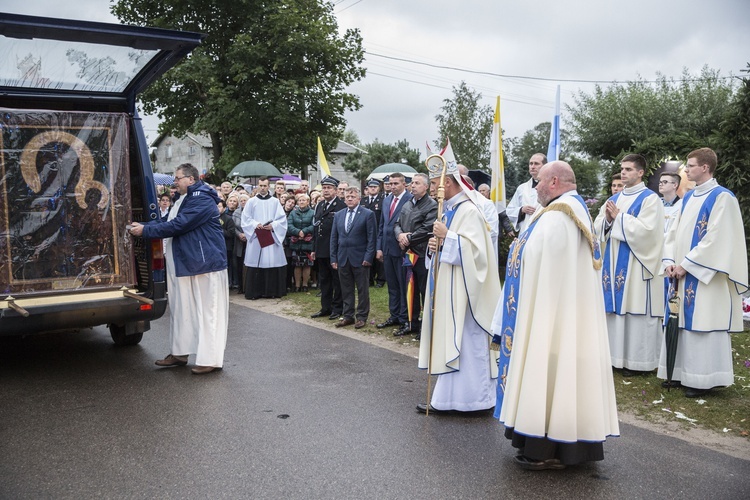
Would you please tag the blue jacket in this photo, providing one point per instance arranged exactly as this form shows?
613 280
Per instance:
197 240
358 245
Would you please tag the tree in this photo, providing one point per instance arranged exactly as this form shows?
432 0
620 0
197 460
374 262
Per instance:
587 173
658 120
733 149
351 137
468 125
268 79
379 153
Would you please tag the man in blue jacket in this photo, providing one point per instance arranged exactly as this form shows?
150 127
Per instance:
197 278
353 241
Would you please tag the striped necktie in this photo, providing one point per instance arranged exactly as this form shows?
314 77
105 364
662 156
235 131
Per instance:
349 218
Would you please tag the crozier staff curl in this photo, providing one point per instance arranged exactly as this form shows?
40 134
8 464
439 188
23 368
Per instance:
85 158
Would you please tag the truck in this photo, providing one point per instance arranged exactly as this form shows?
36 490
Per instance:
74 171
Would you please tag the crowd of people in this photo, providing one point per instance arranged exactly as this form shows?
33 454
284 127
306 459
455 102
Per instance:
535 338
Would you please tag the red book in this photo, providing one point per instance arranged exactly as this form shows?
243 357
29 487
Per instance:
265 238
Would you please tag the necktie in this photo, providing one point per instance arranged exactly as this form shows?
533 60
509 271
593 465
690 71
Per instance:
349 218
393 207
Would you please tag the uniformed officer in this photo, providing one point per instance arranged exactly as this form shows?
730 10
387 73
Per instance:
374 201
331 303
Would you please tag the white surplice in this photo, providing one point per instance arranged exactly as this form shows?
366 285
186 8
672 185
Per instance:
467 288
525 195
261 211
719 262
635 334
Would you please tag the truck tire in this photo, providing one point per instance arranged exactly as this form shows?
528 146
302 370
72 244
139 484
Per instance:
121 338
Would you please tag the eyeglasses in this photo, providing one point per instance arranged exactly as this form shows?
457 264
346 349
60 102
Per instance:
183 177
666 182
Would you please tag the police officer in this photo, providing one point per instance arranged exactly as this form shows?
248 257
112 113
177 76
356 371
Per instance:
373 200
331 303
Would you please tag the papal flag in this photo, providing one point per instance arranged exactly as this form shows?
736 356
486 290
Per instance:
497 164
322 163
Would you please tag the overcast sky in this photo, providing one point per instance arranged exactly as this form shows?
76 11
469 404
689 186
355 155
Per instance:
601 40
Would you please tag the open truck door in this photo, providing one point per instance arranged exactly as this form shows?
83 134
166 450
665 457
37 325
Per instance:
74 170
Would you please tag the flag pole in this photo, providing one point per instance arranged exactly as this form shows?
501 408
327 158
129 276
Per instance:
435 160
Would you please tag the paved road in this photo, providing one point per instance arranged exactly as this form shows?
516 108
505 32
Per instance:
298 412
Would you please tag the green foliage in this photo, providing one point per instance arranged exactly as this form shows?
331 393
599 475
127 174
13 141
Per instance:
668 118
268 79
379 153
469 127
351 137
733 149
520 150
587 175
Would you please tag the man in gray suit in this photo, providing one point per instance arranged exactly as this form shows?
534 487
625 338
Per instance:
353 240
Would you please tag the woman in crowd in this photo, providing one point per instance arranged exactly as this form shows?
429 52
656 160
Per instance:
288 205
300 229
240 243
233 201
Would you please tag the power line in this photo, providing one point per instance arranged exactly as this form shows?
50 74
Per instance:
348 6
537 78
505 99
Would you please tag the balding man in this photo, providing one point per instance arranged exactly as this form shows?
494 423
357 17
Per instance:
555 394
524 203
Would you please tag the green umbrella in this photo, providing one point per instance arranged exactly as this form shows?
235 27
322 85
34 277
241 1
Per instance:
671 330
254 168
389 168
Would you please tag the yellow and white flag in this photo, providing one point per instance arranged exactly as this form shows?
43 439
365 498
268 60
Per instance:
497 165
322 163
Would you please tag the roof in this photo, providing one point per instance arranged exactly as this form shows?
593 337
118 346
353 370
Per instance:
201 139
344 148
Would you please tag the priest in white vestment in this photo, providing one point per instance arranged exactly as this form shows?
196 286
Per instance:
487 207
706 252
463 286
524 203
556 393
196 259
264 223
630 228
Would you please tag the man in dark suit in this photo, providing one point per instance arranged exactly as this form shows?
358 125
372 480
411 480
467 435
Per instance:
328 278
374 201
390 253
413 229
353 241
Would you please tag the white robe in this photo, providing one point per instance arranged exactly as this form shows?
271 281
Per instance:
467 288
258 211
525 195
198 310
559 383
635 334
490 215
719 262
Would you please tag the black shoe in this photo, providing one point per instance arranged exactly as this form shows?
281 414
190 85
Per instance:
320 314
531 464
334 316
422 408
319 294
387 323
694 393
669 385
404 330
418 336
631 373
379 285
303 289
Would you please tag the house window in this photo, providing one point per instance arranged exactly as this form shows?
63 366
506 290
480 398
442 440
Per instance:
191 151
169 151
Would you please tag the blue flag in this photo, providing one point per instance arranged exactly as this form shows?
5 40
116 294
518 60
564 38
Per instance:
553 151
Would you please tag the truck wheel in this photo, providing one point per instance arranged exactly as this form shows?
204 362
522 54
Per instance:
121 338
